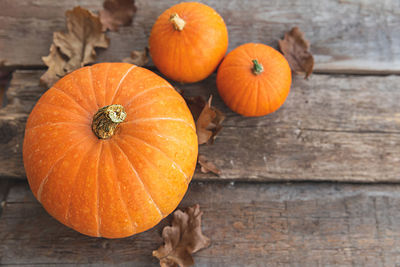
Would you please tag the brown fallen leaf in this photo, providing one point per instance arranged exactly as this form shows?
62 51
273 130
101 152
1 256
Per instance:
75 48
182 239
139 58
56 64
196 104
84 34
296 50
117 13
207 166
208 119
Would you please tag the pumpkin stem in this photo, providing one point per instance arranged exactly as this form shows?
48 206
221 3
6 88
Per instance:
106 120
177 22
257 67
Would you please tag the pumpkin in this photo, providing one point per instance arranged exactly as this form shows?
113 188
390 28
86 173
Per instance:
110 150
188 41
254 79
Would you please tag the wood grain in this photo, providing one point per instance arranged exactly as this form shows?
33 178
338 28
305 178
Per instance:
347 36
336 128
4 189
21 96
249 225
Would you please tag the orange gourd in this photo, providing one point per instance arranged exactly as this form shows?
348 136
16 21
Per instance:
110 149
254 79
188 41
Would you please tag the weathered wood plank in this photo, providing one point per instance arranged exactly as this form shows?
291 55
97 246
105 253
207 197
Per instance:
249 224
349 36
21 96
4 189
337 128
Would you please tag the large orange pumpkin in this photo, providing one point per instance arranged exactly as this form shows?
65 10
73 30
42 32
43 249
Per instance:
110 149
188 41
254 79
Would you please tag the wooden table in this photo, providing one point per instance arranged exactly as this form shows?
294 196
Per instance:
313 184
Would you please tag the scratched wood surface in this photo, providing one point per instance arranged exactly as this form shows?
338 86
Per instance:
347 36
249 225
336 128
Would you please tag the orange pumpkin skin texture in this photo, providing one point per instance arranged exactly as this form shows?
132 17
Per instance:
191 53
112 187
249 91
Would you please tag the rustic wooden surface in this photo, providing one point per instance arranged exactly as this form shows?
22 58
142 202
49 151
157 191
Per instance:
4 189
347 36
336 128
263 225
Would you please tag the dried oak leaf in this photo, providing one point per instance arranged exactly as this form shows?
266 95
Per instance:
56 64
296 50
207 166
117 13
75 48
139 58
84 34
182 239
208 119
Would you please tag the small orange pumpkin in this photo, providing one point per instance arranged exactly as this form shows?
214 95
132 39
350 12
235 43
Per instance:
254 79
110 149
188 41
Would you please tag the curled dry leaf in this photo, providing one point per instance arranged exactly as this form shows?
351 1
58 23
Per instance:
182 239
208 119
196 104
139 58
75 48
117 13
207 166
208 125
56 63
296 50
84 34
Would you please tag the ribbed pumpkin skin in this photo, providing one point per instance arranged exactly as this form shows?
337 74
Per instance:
249 94
119 186
194 53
